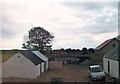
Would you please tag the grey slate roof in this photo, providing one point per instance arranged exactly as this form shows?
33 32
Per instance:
40 55
32 57
113 54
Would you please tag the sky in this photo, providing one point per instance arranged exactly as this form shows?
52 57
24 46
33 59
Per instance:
74 23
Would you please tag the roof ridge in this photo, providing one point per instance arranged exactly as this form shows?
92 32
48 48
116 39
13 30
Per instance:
103 44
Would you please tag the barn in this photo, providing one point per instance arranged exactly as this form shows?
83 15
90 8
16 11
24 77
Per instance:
25 64
111 63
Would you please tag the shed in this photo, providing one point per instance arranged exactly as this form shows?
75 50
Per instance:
25 64
111 64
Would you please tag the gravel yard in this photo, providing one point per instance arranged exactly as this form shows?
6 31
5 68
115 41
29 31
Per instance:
69 73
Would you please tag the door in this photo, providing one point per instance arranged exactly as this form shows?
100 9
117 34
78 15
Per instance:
44 65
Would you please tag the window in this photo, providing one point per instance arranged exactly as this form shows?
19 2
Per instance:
114 45
96 69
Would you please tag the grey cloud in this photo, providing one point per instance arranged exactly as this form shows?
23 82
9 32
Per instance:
9 27
92 6
85 16
6 27
7 33
103 26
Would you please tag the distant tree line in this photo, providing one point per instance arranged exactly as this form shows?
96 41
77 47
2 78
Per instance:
78 51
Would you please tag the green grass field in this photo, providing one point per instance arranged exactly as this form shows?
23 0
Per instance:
6 54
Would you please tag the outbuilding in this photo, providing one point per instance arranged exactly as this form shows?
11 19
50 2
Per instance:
111 63
104 48
107 46
25 64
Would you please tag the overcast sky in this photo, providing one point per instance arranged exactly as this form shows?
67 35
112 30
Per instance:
74 23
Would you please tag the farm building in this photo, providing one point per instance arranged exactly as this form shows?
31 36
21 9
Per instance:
25 64
111 63
107 45
104 48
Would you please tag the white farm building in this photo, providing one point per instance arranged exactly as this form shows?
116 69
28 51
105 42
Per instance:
25 64
111 63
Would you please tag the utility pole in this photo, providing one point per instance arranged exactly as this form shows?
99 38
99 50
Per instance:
118 37
119 58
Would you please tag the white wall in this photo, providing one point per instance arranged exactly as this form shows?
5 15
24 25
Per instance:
20 67
42 66
38 70
114 70
38 67
105 65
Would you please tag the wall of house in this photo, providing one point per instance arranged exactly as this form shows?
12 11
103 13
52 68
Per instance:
98 55
38 67
97 59
108 47
20 66
42 65
114 70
